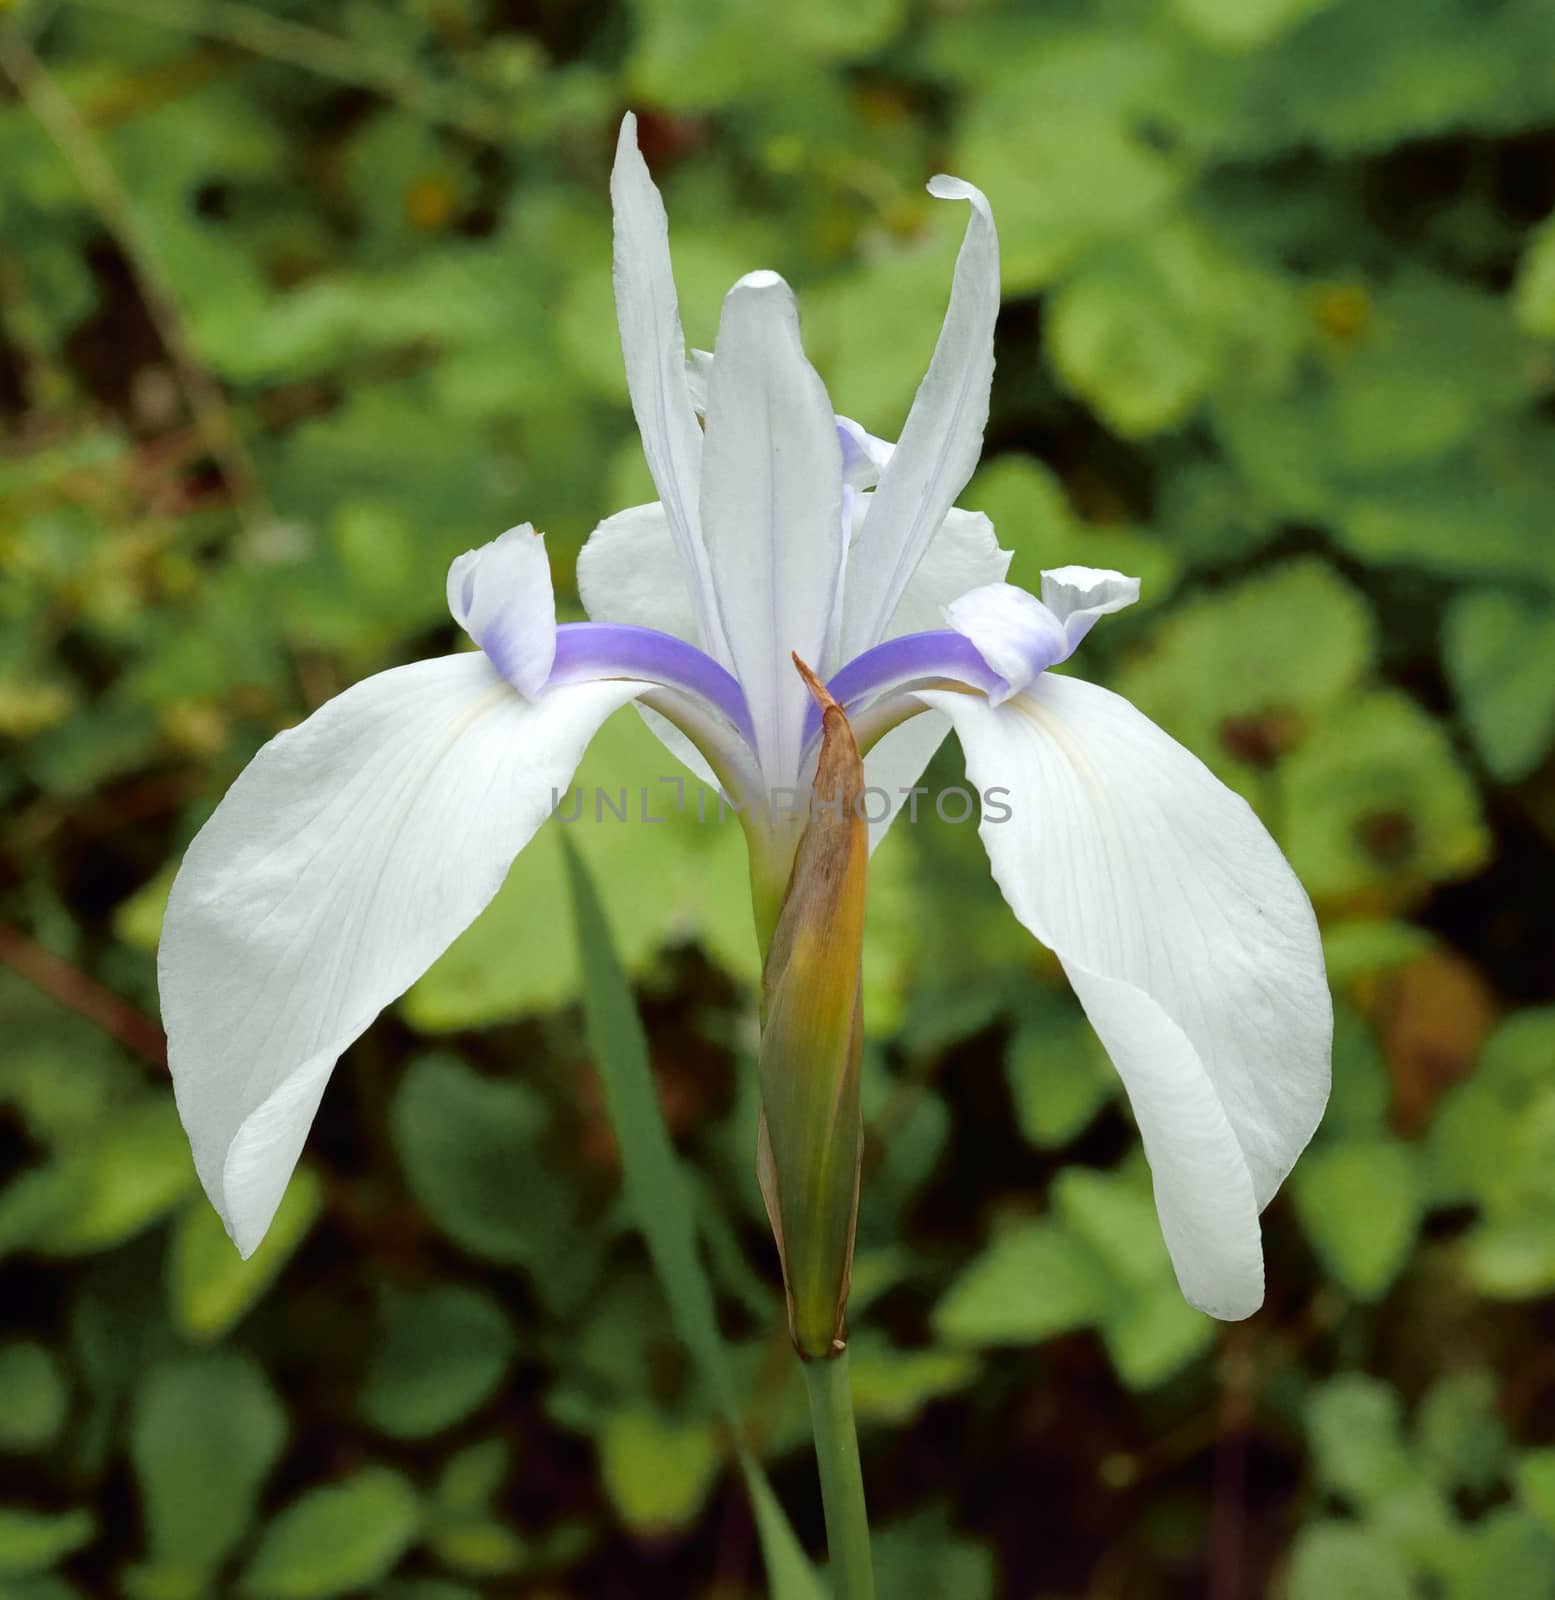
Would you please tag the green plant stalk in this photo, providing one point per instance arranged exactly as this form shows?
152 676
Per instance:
842 1479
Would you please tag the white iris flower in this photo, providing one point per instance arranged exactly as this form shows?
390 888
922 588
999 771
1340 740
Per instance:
357 846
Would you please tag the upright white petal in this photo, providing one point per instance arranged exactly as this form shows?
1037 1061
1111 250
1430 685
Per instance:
501 596
654 348
1189 942
771 509
347 857
963 555
699 368
863 455
942 438
628 572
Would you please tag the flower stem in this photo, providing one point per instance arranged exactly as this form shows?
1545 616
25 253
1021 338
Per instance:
842 1481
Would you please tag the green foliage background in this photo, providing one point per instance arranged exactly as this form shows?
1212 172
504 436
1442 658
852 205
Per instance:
298 303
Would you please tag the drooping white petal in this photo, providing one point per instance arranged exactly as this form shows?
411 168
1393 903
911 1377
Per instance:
1077 596
628 571
654 348
771 509
348 855
942 438
1014 632
1188 940
501 596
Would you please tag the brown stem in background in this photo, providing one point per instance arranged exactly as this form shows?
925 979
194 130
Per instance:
61 980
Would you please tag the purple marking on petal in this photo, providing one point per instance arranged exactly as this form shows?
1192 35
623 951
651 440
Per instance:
588 651
913 658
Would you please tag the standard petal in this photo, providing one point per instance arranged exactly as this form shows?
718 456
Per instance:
501 596
863 455
963 555
1189 941
654 348
348 855
771 509
942 438
628 572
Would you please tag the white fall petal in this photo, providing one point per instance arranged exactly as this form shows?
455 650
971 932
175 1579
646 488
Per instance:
1188 940
346 858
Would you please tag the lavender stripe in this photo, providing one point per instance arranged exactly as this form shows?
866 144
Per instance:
914 658
588 651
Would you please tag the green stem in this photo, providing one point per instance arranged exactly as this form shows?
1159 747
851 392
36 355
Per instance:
842 1481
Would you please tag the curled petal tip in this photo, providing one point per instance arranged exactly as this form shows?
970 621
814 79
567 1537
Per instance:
944 187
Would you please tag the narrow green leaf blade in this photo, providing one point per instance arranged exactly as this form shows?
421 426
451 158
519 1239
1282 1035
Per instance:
660 1200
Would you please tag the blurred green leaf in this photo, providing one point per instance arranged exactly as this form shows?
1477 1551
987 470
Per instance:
1059 1076
138 1171
205 1434
442 1351
1508 1556
1252 671
1154 1333
1533 296
1536 1484
891 1386
1033 1281
464 1529
210 1286
1144 331
1055 140
1356 1429
1513 1260
1360 1203
1031 515
1499 651
336 1539
1376 805
657 1472
923 1554
1244 24
461 1137
33 1541
1463 1437
1341 1561
33 1396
